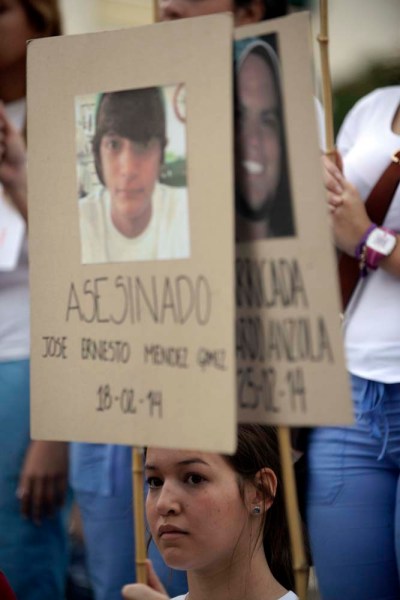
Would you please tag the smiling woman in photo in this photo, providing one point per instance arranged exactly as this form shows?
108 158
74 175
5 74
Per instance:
263 200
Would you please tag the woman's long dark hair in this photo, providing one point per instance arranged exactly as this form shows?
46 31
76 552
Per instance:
258 448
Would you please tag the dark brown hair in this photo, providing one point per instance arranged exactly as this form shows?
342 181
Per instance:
258 448
44 16
138 115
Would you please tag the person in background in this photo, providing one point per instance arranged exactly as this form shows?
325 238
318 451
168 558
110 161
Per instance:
33 474
353 491
222 518
245 12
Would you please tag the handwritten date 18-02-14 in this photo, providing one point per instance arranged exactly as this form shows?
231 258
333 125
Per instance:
129 402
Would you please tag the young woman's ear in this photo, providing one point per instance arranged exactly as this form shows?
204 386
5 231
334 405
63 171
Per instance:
251 13
262 492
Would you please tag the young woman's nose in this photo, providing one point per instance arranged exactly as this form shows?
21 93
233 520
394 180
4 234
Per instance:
251 133
168 502
172 9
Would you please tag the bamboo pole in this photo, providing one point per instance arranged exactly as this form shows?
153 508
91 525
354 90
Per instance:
138 490
299 559
137 477
156 12
323 40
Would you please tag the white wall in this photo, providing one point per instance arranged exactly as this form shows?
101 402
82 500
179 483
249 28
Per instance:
83 16
360 32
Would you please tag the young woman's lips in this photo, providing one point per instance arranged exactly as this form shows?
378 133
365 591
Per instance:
170 532
253 167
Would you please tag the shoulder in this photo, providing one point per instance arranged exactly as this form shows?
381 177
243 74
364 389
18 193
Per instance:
171 202
92 209
173 195
377 99
92 201
369 113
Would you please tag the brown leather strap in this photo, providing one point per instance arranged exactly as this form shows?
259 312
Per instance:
377 205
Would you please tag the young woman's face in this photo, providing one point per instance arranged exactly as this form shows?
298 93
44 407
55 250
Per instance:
15 29
195 511
130 171
259 161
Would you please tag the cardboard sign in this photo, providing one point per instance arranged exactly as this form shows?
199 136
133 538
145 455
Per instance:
131 221
290 363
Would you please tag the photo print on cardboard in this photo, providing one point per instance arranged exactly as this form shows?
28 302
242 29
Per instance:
263 197
131 175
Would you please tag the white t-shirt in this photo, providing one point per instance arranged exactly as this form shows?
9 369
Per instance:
165 237
14 285
372 335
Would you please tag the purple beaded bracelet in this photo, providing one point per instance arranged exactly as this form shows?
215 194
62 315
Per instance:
361 243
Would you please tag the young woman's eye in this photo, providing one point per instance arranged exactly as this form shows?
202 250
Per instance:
154 482
270 121
194 479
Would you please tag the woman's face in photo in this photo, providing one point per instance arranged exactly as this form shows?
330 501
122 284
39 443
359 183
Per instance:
259 146
195 510
130 171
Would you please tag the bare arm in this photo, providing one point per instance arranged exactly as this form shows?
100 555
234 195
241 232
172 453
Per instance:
349 218
13 174
43 481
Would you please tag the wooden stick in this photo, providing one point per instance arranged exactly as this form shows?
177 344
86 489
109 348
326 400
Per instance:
156 11
300 565
323 39
138 490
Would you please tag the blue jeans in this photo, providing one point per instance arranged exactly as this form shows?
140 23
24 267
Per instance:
353 498
101 476
34 558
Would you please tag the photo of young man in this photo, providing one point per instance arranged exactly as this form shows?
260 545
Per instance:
132 216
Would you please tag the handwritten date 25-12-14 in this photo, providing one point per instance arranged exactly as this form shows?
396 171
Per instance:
128 402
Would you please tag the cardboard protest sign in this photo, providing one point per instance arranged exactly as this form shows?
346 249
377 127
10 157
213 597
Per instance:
131 221
290 363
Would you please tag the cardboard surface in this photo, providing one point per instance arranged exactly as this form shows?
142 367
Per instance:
154 352
137 352
290 360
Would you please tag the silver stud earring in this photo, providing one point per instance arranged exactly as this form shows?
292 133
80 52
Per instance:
256 510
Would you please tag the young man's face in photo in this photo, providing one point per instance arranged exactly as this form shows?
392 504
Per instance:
259 161
130 171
